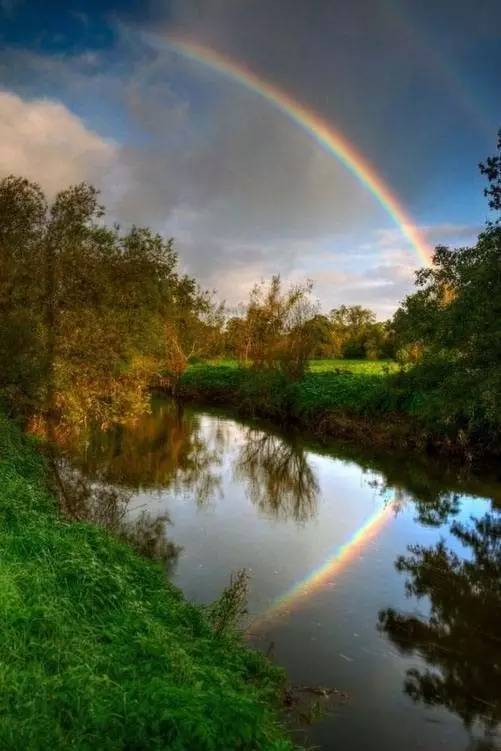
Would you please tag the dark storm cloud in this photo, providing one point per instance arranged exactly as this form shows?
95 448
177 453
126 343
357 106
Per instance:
243 190
252 174
357 60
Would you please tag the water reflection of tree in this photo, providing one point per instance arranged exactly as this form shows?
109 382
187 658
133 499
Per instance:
433 506
281 482
108 506
433 485
460 640
161 449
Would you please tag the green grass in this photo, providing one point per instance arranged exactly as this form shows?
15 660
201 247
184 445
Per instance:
370 367
99 651
357 386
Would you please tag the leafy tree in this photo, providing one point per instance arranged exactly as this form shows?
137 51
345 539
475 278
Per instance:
453 321
90 316
492 169
355 334
193 327
280 328
236 338
22 217
106 295
322 331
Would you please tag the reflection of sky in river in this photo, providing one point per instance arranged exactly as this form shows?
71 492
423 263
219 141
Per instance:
269 504
228 532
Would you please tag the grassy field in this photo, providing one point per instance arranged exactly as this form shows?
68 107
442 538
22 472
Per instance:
369 367
99 651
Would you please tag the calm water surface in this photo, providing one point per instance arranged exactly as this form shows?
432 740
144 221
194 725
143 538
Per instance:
380 576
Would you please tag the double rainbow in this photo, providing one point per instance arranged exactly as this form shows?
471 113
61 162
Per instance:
322 131
325 573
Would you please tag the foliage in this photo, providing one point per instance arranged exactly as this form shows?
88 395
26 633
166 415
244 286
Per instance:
117 657
110 316
283 330
192 328
492 169
348 332
226 612
365 401
355 333
22 217
99 313
272 395
279 329
453 321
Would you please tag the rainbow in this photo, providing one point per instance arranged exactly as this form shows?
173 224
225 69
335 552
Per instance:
323 574
324 133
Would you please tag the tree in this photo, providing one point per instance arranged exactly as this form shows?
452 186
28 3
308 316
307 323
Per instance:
321 331
105 296
454 321
22 221
279 328
90 315
491 168
355 333
193 327
237 338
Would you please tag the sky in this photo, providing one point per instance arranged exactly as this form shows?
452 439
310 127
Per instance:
96 90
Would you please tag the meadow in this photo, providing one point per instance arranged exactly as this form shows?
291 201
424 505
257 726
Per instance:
364 367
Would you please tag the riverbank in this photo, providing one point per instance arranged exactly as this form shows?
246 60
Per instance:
99 650
368 408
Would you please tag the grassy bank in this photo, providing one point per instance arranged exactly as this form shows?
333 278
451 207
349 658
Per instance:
361 401
99 651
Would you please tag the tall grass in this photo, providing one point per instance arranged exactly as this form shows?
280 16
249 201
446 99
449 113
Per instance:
99 651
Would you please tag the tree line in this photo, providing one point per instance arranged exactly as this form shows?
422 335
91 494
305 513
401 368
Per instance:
91 316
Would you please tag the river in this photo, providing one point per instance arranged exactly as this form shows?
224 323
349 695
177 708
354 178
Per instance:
379 576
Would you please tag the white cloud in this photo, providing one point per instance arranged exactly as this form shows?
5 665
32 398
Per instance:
42 140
